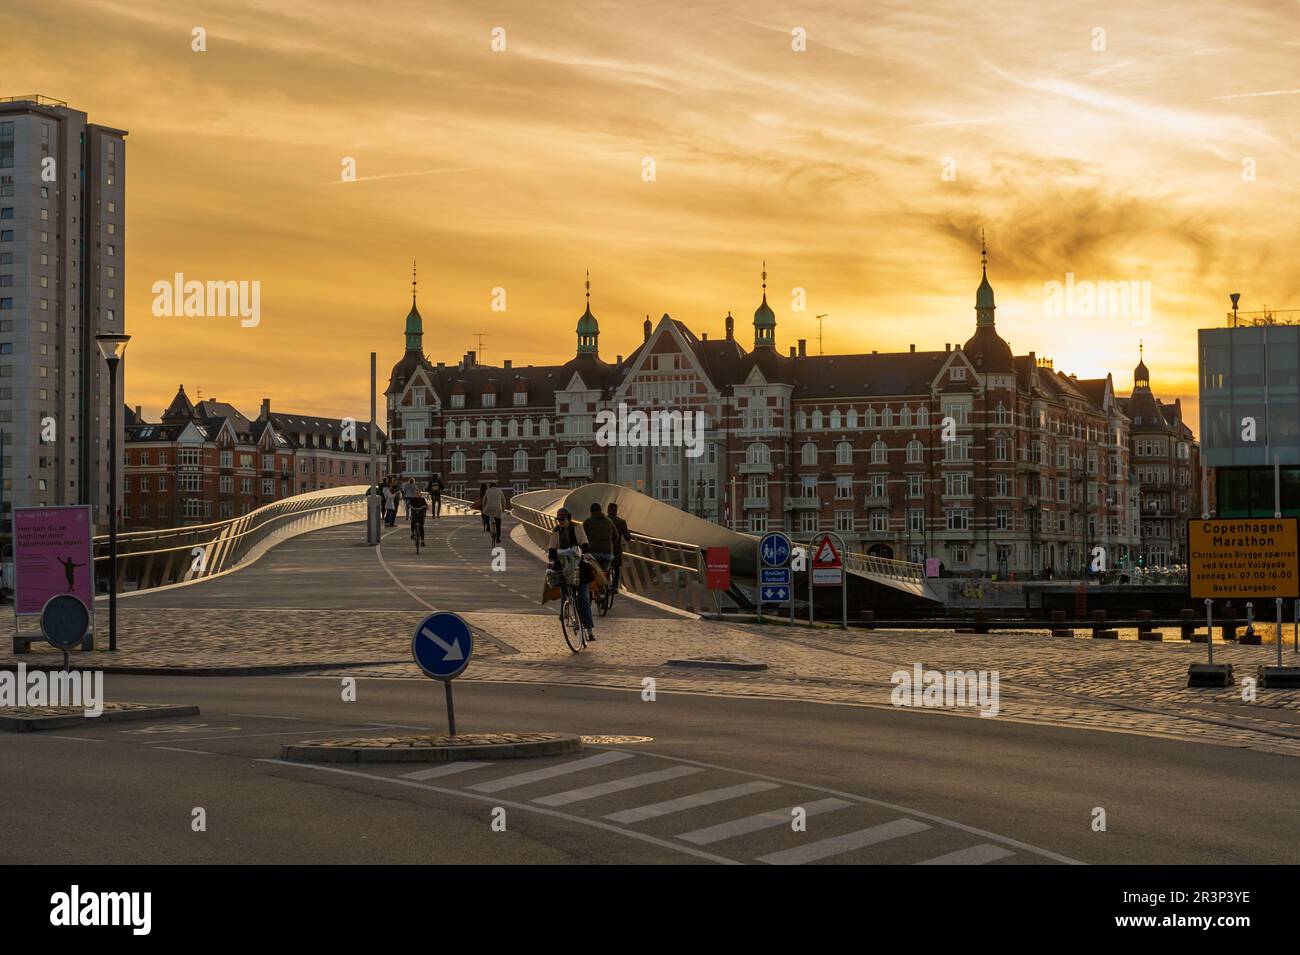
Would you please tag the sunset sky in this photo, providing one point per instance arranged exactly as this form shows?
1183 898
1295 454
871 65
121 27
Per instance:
521 169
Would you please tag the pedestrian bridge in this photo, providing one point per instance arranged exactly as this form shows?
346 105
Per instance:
665 561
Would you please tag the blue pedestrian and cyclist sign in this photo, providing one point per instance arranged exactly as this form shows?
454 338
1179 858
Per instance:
774 550
442 646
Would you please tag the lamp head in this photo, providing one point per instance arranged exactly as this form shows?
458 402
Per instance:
112 346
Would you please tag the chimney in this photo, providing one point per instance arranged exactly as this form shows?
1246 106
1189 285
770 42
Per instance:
619 360
912 349
137 413
266 409
508 363
792 352
803 348
947 346
704 336
470 358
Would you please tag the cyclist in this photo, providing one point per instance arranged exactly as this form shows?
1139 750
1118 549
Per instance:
623 534
494 503
418 508
601 533
569 540
435 495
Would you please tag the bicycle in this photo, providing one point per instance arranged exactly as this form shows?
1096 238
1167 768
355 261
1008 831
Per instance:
575 634
417 532
604 598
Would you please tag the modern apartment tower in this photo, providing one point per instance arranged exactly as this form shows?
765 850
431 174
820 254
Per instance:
62 264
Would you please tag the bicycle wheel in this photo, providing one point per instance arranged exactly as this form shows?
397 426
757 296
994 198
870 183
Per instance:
606 599
570 623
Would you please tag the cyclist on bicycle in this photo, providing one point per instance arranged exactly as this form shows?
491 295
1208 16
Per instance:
623 534
569 540
601 534
418 507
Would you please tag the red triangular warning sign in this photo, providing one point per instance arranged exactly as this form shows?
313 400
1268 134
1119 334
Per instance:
826 555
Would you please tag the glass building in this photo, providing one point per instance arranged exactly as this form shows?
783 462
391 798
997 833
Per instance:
1250 412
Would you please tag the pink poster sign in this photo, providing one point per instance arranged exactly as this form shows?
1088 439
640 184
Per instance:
52 555
932 567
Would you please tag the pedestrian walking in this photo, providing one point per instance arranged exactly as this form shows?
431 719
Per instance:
487 521
435 495
494 504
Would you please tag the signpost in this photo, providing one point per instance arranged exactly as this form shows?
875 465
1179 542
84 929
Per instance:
442 646
827 570
1243 558
64 622
773 553
717 572
52 556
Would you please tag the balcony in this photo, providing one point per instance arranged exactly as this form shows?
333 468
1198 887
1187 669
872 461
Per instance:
756 503
876 500
752 467
802 503
581 471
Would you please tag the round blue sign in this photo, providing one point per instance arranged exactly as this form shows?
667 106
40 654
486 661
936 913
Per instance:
774 550
442 645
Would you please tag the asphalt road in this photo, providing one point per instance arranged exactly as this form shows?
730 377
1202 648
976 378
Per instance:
878 785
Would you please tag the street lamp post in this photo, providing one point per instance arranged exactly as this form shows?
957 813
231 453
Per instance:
113 348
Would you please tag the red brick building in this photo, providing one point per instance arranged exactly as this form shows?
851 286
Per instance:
208 462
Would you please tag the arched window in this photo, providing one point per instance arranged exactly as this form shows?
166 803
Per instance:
871 417
758 453
528 427
496 427
817 420
550 459
905 417
844 453
888 418
915 451
835 420
808 454
544 427
851 419
578 458
482 428
458 462
923 416
512 428
521 460
800 420
489 461
879 452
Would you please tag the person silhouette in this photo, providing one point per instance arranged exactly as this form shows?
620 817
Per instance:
68 569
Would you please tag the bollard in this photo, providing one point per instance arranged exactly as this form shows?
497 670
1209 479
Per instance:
1188 627
1145 632
981 621
1098 622
1228 624
868 618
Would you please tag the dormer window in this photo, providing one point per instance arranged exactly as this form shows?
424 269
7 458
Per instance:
490 400
458 401
958 374
521 398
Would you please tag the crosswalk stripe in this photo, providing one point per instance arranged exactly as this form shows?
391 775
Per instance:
446 770
617 785
836 845
975 855
689 802
537 775
764 820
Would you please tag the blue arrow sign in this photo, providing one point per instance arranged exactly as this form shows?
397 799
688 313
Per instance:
774 550
775 575
442 645
775 595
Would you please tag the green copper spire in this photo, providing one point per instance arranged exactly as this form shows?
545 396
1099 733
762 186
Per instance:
588 327
414 323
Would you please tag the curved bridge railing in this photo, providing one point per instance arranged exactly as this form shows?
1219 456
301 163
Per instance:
156 558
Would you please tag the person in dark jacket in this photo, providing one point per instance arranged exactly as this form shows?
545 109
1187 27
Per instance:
601 534
435 495
570 537
623 534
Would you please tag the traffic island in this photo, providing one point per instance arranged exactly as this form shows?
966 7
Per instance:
23 719
433 749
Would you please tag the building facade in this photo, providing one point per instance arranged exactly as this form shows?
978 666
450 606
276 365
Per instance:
207 462
62 269
995 464
1250 412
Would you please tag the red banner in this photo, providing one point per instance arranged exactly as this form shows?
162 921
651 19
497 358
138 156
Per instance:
717 562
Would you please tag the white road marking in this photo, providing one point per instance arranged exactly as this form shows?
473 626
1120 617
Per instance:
764 820
521 806
654 810
617 785
975 855
550 772
177 749
448 770
836 845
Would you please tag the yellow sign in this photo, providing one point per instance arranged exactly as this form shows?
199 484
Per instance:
1243 557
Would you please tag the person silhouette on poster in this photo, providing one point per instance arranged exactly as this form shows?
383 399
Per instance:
69 570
